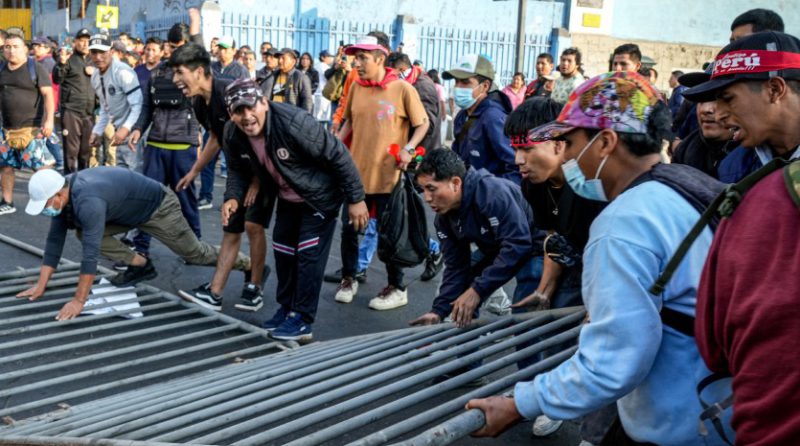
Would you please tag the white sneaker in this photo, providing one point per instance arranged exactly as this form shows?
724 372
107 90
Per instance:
585 443
544 426
389 298
346 291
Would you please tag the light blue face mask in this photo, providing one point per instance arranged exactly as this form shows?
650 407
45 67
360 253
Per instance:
50 211
463 97
589 189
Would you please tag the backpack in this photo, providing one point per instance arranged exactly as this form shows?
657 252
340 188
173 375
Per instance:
722 206
31 63
403 228
335 86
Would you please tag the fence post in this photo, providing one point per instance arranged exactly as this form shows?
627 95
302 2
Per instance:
560 39
397 30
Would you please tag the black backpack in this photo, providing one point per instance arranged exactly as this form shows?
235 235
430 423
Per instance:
403 228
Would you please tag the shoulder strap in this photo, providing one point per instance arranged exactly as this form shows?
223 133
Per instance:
714 412
722 207
463 133
791 176
32 70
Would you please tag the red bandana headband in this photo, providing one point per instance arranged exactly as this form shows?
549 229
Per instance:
522 141
754 61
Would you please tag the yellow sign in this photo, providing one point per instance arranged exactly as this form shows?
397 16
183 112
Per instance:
591 20
107 17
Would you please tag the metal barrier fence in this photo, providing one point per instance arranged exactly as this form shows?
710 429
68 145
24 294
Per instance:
48 365
440 48
406 385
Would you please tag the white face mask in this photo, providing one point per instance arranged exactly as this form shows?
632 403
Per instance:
589 189
404 74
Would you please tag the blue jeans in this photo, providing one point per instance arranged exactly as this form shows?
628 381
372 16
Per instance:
54 147
168 167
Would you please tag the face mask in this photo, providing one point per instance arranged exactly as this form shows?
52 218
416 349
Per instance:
50 211
463 97
589 189
404 74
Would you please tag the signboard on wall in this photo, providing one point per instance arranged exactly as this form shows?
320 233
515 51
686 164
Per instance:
591 16
107 17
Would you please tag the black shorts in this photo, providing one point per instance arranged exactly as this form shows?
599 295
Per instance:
260 213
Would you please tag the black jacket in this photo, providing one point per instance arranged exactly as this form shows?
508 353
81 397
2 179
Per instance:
315 163
76 92
702 154
167 109
296 91
430 101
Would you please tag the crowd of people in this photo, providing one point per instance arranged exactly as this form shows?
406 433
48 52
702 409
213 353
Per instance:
587 190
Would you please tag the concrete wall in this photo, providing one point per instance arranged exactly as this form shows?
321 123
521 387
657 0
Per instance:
701 22
597 49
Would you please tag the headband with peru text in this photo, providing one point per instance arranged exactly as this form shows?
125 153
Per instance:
754 61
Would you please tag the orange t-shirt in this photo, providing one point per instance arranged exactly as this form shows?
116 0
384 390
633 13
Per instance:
381 117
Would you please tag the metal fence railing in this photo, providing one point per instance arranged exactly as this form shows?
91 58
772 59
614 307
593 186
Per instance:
170 377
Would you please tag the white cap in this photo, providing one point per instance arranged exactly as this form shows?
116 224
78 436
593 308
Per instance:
42 186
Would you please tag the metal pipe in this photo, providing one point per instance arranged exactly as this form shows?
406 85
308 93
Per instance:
31 271
63 441
31 280
464 361
290 386
168 407
101 340
110 368
106 355
28 248
464 427
399 363
449 431
134 379
33 317
60 291
126 323
13 289
82 319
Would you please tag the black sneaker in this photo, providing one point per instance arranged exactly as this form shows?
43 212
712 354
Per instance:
203 296
135 274
433 265
336 277
203 204
252 297
248 275
7 208
276 320
120 266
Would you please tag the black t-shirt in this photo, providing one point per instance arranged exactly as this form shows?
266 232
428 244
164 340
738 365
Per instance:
22 104
562 211
214 115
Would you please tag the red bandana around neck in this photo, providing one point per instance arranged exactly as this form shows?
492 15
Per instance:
390 76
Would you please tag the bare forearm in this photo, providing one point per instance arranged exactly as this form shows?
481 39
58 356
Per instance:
85 282
551 271
208 153
45 273
419 134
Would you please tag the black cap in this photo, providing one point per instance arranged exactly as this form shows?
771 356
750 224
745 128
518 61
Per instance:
270 52
287 51
242 92
83 32
759 56
100 42
694 79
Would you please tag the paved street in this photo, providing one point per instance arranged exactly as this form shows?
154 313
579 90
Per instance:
334 320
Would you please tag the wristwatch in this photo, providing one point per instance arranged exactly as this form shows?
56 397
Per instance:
410 149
